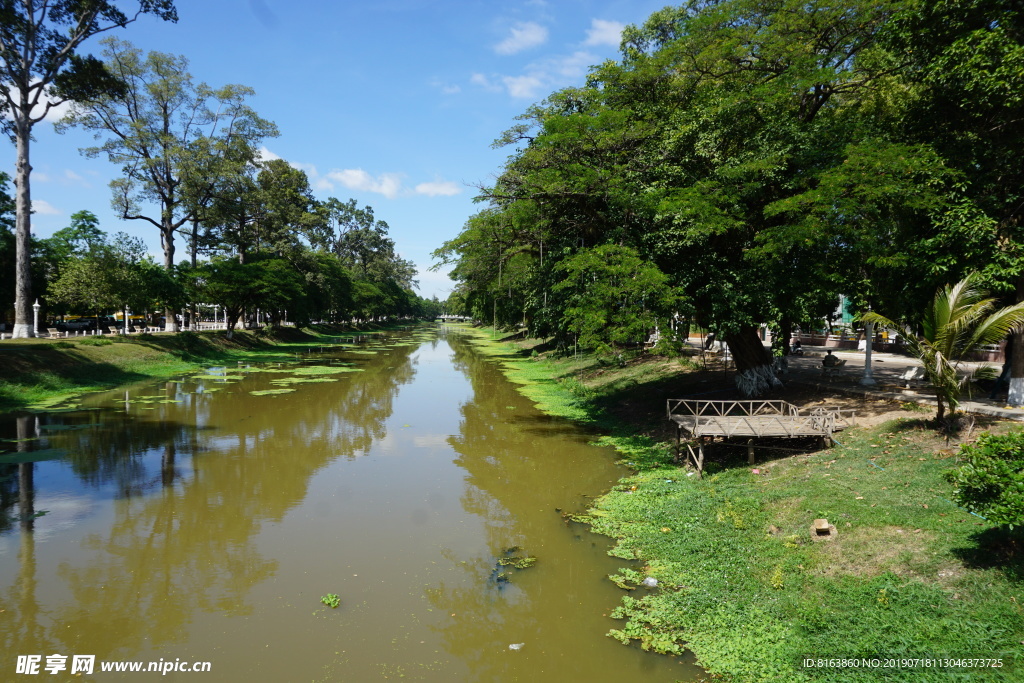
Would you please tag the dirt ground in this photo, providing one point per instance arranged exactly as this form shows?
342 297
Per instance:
644 404
870 411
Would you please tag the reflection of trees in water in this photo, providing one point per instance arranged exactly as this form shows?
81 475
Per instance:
500 447
17 487
483 618
188 546
517 465
487 613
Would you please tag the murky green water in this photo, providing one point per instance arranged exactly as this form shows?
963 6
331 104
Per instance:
196 521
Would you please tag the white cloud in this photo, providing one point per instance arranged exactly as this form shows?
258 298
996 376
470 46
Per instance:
526 87
72 176
524 35
264 154
387 184
445 88
45 208
603 32
308 169
571 66
541 77
40 177
56 112
484 82
438 188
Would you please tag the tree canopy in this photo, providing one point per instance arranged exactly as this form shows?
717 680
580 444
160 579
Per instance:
766 157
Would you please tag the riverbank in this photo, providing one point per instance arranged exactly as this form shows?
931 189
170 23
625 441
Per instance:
40 373
742 582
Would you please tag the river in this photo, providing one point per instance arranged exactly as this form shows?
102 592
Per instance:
202 520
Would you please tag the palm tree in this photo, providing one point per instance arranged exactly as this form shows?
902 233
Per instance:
960 319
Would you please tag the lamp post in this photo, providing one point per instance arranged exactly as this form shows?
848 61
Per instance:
35 319
869 333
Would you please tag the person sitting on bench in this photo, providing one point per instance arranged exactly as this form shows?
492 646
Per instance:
830 361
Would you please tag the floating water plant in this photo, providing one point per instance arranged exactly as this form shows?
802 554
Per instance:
512 558
33 456
301 380
322 370
66 428
517 562
331 600
255 370
271 392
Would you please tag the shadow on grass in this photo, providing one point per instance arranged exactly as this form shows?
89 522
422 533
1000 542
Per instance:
732 454
996 548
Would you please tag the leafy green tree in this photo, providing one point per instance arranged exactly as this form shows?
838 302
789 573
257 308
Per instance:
40 67
704 149
272 285
327 286
7 245
613 297
286 208
960 319
963 89
78 239
363 245
162 131
109 276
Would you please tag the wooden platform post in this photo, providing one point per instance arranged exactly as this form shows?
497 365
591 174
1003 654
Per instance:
750 451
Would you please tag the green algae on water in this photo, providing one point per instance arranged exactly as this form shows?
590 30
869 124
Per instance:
323 370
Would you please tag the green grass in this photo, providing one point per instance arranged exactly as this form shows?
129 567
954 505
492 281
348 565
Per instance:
749 590
744 584
37 374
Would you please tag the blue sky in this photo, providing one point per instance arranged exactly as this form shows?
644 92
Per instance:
394 103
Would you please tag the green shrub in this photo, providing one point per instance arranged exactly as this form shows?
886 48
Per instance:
990 481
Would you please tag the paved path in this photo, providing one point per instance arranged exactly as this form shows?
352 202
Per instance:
886 368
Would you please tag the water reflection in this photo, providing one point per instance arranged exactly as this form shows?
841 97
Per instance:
187 522
176 541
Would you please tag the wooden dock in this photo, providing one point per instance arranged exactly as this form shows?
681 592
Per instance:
750 420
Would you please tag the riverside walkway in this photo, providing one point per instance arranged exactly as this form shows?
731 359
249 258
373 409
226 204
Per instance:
887 370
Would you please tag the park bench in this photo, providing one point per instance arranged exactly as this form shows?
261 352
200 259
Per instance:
834 369
915 374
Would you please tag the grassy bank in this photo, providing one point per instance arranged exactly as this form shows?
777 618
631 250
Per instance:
741 579
38 373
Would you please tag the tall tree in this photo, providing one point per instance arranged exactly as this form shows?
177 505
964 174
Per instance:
164 131
966 81
41 68
110 275
78 239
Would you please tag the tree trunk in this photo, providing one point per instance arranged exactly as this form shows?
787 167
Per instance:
1016 396
230 320
192 309
167 242
167 464
23 241
755 375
